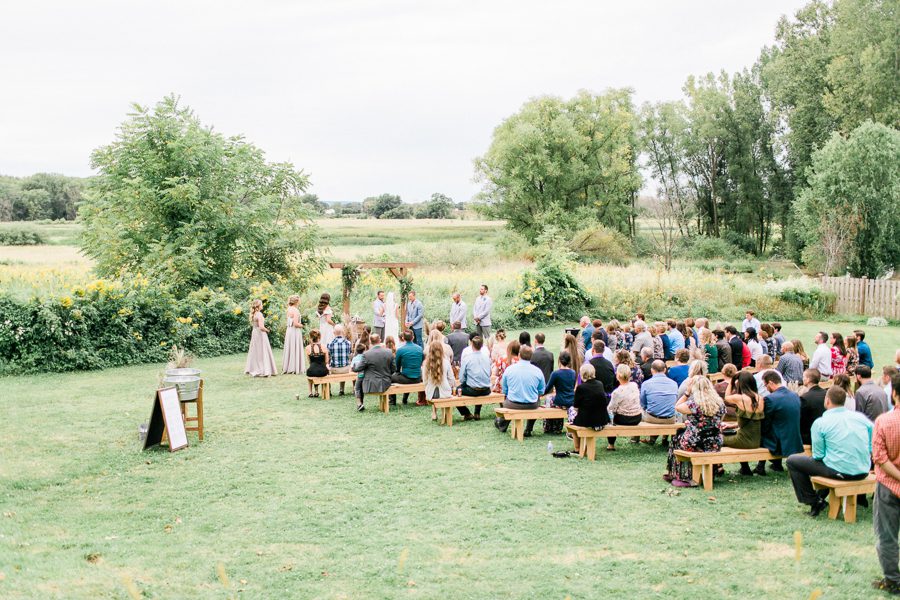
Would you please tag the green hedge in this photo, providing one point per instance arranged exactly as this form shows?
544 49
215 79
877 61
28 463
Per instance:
21 236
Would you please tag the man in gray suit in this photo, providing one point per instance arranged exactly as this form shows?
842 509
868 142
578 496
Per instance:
376 366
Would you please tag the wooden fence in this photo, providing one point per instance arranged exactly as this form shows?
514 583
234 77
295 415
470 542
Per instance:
872 297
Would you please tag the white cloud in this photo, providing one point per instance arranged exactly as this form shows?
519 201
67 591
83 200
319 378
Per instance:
368 97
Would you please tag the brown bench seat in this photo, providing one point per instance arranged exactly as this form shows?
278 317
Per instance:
706 460
327 380
446 405
585 438
518 417
397 389
843 493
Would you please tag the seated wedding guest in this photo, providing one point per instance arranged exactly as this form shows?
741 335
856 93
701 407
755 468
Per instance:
703 411
498 348
843 381
870 398
749 407
468 349
838 354
458 340
570 345
524 339
764 365
722 387
812 403
408 365
886 516
658 397
642 338
887 376
356 361
474 377
676 337
625 357
740 354
604 372
841 449
781 427
821 358
752 341
679 372
590 401
779 339
562 386
695 367
665 340
375 367
646 361
862 348
625 405
790 365
435 335
317 359
711 351
723 348
659 350
339 354
501 363
800 351
391 344
852 354
600 330
522 384
542 358
437 372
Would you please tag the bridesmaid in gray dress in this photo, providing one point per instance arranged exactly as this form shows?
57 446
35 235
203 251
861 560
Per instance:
260 360
294 361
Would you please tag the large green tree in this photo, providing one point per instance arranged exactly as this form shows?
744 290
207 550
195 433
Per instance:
849 216
563 162
189 207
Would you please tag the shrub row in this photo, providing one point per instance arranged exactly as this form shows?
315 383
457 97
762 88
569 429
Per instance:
21 236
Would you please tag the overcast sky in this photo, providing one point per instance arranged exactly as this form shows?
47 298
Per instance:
367 97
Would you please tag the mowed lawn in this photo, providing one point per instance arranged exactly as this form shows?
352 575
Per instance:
304 498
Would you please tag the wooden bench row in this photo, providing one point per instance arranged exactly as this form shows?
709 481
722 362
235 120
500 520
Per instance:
447 405
327 380
585 438
517 418
843 493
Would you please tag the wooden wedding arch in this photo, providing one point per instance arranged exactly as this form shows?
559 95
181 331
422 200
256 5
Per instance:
400 270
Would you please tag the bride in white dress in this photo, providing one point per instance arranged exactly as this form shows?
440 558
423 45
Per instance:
391 322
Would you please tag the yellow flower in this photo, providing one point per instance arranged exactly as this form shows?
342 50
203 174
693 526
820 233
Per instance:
185 320
195 326
237 310
66 301
549 313
162 344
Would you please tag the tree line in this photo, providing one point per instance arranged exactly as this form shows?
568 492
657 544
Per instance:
797 154
40 196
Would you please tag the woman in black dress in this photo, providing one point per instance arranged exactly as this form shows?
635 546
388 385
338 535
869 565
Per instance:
317 356
591 401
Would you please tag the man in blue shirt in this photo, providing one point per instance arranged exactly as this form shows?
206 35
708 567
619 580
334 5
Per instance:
841 449
865 353
415 317
658 396
587 330
474 377
407 365
676 338
678 373
523 384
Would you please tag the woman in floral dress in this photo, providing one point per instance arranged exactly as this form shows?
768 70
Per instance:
500 364
703 410
838 354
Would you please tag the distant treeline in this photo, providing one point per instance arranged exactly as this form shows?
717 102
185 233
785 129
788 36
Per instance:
40 196
388 206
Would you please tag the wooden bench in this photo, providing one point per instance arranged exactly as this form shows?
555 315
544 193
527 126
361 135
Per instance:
585 438
518 417
327 380
396 389
446 405
716 377
706 460
843 493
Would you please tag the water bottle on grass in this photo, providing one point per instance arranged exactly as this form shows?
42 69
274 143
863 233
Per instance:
549 447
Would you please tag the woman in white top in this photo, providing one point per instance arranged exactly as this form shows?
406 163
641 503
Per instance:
625 406
326 320
294 360
753 344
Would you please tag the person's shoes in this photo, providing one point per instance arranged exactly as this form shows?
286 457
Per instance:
610 448
393 402
360 408
760 471
405 401
861 500
777 467
527 434
681 483
719 472
420 403
476 416
746 471
883 585
469 418
635 440
668 477
818 507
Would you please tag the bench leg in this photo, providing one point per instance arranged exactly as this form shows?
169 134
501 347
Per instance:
707 474
576 441
448 417
200 415
850 509
383 405
591 444
513 427
834 504
326 392
696 474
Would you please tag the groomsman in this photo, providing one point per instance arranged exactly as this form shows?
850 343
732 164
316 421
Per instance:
415 318
378 308
482 312
458 311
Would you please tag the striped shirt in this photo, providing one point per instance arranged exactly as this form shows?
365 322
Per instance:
886 447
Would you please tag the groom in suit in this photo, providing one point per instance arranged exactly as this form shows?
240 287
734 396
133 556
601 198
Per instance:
376 366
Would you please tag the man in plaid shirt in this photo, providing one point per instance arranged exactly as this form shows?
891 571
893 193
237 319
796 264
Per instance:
886 456
339 354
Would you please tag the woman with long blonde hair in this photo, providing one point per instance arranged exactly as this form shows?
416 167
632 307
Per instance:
437 336
260 360
436 372
294 360
703 410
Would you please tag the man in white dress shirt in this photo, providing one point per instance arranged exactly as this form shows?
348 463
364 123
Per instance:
821 358
458 311
378 309
750 321
482 312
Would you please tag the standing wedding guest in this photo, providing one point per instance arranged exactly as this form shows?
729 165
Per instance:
459 311
838 354
542 358
841 449
294 359
870 398
325 316
821 358
376 366
862 347
812 403
703 410
380 311
415 318
317 357
625 403
852 354
474 376
750 321
886 516
481 312
790 365
339 354
436 372
591 401
260 360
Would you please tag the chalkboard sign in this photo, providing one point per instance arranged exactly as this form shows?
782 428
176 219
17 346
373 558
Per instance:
166 417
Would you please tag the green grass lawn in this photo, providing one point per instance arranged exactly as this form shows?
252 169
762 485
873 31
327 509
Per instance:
305 498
